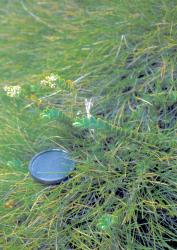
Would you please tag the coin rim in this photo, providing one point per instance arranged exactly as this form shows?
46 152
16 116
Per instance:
45 181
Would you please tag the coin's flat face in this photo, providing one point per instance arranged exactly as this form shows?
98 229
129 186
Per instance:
51 166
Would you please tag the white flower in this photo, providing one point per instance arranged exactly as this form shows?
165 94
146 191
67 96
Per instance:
52 85
44 83
50 81
52 78
12 91
88 105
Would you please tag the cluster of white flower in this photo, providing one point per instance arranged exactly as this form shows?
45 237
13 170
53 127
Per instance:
50 81
12 91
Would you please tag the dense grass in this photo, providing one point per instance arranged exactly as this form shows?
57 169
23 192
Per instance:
122 194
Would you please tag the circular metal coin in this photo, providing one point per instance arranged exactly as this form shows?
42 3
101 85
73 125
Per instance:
51 166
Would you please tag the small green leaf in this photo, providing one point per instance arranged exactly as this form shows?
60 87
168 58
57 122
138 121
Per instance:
14 163
51 113
105 221
77 124
90 123
34 88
